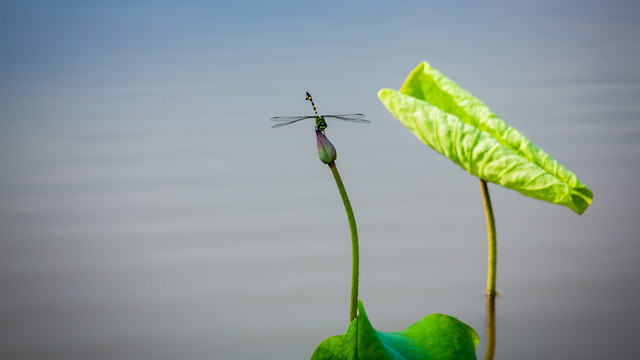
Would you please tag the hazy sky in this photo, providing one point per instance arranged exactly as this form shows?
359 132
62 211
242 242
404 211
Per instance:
147 209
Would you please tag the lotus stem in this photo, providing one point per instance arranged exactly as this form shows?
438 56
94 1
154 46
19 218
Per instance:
491 237
491 327
355 250
491 272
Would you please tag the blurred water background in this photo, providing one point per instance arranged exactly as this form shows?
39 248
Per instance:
148 210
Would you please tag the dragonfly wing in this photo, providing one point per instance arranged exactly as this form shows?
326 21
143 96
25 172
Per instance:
290 118
286 120
348 117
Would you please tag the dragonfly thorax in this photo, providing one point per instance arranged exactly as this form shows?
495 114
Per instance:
321 124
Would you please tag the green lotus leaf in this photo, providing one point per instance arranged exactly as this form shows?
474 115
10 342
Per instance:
459 126
435 337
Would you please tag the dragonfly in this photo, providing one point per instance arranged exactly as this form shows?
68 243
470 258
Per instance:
321 124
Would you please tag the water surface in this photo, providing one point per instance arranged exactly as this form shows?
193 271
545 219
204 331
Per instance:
148 210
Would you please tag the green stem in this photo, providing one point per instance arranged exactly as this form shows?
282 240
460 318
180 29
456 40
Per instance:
491 237
355 251
491 327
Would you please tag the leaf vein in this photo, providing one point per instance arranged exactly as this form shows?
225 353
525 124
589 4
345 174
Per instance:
470 152
486 158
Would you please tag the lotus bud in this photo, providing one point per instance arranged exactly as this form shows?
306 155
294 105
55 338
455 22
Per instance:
326 151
